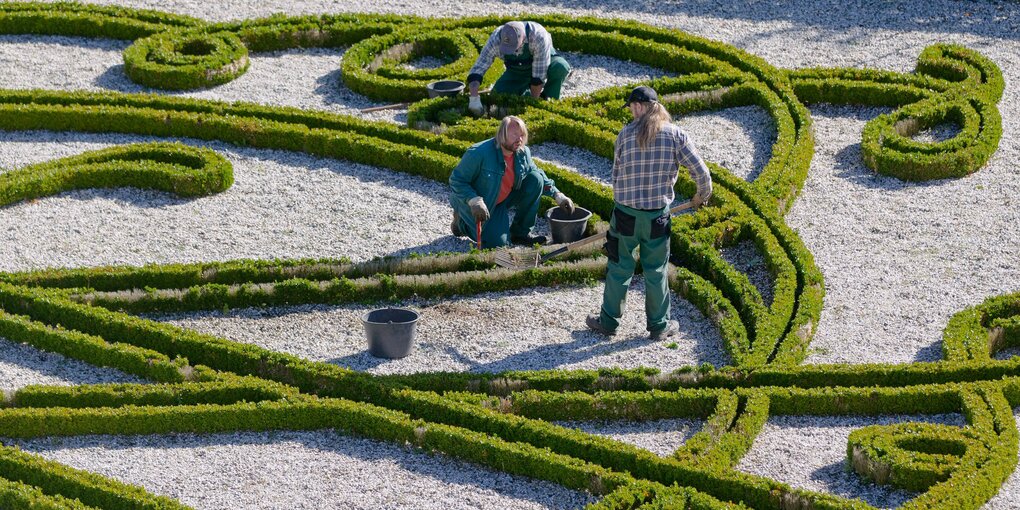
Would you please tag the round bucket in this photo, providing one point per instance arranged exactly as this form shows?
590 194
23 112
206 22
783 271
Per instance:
444 88
390 331
566 227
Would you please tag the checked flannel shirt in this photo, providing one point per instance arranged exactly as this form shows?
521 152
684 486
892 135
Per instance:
539 42
644 178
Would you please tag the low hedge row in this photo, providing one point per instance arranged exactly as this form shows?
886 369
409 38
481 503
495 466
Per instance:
186 59
85 20
978 332
236 272
753 491
978 478
371 67
952 84
60 486
358 418
139 361
655 496
613 405
171 167
911 456
20 495
383 287
231 390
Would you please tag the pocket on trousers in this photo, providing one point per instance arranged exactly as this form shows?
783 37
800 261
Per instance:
624 222
612 247
661 226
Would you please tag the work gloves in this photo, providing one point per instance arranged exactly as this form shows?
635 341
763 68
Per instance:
475 105
478 209
698 200
564 201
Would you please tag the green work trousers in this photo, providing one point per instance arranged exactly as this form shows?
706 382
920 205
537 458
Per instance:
632 231
517 79
498 230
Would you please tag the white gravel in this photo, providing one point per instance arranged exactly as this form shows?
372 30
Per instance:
529 329
809 452
23 365
661 437
303 470
899 259
282 204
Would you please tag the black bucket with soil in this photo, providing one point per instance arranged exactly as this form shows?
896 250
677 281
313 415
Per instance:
567 227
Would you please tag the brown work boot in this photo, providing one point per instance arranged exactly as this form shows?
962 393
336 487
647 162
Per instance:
595 324
672 328
455 226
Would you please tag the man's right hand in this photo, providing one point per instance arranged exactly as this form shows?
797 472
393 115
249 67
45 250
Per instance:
698 200
475 105
478 209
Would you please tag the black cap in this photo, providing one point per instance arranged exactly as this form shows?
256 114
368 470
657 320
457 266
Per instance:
641 94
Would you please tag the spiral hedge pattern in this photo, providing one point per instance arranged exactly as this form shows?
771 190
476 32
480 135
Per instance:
209 384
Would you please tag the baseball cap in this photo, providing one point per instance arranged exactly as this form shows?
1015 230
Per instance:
641 94
511 37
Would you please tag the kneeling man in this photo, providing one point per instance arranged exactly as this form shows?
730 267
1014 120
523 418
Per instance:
497 175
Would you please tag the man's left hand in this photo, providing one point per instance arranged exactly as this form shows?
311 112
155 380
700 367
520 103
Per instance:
565 202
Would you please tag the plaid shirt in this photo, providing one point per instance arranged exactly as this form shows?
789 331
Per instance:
539 42
644 178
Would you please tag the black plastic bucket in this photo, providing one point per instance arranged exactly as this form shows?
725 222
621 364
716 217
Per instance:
390 331
567 227
444 88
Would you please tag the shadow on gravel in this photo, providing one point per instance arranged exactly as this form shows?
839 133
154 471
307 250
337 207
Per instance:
752 122
929 353
585 345
999 18
115 80
840 482
17 358
289 454
850 166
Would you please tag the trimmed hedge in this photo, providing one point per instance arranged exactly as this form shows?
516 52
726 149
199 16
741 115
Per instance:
185 60
243 387
171 167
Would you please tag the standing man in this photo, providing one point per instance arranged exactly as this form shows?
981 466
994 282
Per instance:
532 65
648 151
497 175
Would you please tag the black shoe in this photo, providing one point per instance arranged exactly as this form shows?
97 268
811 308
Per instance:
527 240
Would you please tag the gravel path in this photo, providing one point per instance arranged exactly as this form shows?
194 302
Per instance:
899 259
23 365
809 452
661 437
530 329
301 470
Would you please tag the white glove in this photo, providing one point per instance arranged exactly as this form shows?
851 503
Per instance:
475 105
478 209
564 201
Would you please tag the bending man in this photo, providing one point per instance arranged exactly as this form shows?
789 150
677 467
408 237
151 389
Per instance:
497 175
532 65
648 151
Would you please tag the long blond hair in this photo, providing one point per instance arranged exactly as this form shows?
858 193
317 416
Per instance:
501 133
650 123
